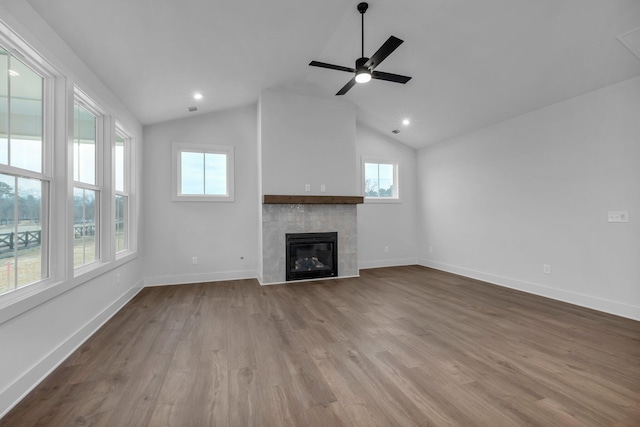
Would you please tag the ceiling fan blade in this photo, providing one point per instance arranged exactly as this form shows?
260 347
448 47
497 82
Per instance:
397 78
331 66
346 87
385 50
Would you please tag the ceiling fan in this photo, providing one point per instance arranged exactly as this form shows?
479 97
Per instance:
365 67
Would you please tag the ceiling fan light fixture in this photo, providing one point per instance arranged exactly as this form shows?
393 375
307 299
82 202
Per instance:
365 68
363 76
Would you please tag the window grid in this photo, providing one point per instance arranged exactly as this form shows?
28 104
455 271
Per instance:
87 138
36 111
24 184
380 180
122 165
202 172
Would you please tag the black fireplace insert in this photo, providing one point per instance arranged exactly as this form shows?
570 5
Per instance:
311 255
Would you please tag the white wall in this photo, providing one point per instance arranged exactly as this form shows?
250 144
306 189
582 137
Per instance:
218 233
499 203
307 140
391 225
40 331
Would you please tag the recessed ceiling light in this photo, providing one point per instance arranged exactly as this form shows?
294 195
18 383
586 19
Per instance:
406 122
197 95
14 73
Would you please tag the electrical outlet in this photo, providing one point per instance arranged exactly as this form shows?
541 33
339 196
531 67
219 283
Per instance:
386 248
430 249
194 260
307 187
323 188
618 216
546 268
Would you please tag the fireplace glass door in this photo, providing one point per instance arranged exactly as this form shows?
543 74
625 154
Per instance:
311 255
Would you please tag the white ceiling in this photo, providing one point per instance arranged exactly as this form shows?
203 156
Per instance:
474 63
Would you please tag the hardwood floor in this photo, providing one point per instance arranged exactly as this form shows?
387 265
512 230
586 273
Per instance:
399 346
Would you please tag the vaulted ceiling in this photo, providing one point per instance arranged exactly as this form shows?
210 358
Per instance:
473 63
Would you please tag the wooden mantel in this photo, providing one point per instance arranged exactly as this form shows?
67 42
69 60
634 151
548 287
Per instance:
311 200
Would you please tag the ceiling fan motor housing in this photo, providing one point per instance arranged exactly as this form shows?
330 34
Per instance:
360 63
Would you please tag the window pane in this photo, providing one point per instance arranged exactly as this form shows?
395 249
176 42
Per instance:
4 107
379 180
84 227
119 163
76 132
25 118
385 180
21 261
29 232
84 146
371 183
7 233
192 178
21 117
215 174
121 223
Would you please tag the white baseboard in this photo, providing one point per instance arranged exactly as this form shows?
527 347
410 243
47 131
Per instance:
181 279
15 392
363 265
607 306
309 280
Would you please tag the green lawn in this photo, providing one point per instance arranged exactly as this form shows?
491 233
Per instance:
30 263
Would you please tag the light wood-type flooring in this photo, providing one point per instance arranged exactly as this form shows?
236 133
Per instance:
398 346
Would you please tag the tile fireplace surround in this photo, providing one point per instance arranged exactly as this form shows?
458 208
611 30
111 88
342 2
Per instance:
280 219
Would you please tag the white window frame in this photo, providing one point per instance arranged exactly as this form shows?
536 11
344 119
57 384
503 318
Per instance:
178 148
21 51
396 182
57 174
127 192
92 107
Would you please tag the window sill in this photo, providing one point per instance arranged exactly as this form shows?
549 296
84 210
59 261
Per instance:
18 301
215 199
87 269
125 256
382 200
22 300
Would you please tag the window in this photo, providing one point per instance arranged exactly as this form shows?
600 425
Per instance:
202 172
122 159
24 187
52 226
380 180
86 191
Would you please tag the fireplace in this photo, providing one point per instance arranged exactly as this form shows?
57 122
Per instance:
311 255
280 219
